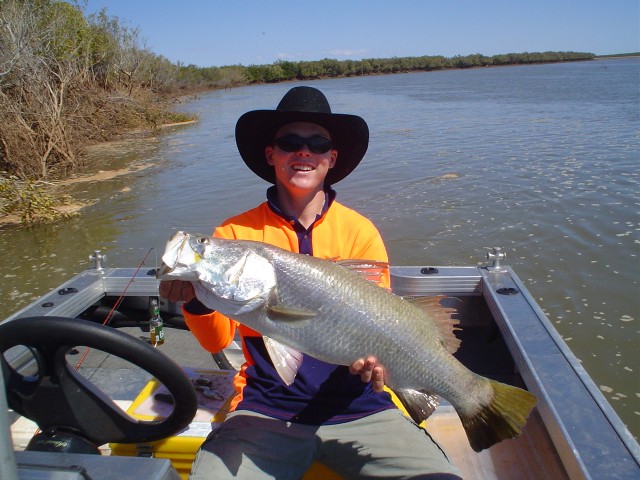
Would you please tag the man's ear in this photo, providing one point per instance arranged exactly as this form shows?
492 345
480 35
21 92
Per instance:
334 157
268 154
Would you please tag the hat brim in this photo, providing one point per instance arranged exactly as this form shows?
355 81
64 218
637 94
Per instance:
255 130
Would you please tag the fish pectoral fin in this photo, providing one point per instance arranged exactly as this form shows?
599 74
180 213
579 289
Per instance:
286 360
419 405
287 313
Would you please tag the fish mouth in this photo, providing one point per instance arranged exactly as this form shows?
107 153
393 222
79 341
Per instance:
177 256
177 272
164 271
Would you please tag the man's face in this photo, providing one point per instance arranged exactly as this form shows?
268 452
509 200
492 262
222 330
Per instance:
303 168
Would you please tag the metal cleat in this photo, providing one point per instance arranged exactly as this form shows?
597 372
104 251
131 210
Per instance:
97 258
496 256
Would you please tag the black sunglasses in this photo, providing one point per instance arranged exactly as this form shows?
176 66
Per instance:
293 143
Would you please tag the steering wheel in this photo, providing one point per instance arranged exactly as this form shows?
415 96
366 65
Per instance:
60 399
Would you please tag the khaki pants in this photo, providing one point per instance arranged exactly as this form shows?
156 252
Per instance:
384 445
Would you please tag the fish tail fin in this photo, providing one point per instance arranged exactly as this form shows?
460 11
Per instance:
502 418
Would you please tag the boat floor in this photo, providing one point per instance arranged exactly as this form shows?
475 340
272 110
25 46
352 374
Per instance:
530 456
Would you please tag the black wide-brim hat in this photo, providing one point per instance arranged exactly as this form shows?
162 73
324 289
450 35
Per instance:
256 129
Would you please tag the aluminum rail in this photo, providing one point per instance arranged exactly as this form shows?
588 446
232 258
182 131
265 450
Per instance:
589 436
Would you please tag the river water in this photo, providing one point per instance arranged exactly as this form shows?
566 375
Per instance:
541 160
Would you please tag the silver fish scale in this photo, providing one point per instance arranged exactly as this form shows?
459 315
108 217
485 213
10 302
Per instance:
355 318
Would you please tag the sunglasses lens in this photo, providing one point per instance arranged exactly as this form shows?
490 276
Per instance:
319 144
290 143
293 143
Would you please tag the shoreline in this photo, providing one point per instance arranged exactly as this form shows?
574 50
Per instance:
75 207
71 209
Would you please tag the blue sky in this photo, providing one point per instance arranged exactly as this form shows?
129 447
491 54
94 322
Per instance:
216 33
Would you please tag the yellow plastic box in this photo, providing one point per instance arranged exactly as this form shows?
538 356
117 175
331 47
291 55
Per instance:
215 391
213 406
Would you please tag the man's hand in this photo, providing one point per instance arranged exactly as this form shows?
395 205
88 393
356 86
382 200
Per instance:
369 372
177 290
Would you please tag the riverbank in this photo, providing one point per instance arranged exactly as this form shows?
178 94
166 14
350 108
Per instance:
155 115
60 205
56 204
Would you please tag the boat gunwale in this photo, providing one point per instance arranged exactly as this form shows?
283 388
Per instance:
582 457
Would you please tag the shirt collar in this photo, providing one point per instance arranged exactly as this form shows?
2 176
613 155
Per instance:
274 204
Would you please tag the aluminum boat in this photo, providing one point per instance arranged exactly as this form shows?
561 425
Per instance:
58 356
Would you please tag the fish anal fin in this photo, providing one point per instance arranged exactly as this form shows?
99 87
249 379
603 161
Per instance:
442 317
419 405
286 360
502 418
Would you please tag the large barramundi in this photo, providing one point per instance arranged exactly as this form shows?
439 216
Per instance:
305 304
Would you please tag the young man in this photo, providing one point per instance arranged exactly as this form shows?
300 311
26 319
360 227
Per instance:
335 414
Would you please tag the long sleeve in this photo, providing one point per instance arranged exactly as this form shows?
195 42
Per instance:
213 330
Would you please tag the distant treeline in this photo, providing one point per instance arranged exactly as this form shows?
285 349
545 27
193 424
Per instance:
68 79
306 70
615 55
189 76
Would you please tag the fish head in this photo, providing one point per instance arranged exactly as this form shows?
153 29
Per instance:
180 259
228 276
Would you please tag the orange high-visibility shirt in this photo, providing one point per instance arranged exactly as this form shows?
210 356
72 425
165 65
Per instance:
340 233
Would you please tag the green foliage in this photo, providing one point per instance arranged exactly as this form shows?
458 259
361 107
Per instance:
31 201
67 79
70 34
290 70
327 67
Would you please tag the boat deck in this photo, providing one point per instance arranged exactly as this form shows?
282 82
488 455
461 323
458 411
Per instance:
528 457
531 456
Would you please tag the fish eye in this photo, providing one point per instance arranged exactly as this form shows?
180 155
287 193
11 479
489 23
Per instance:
202 240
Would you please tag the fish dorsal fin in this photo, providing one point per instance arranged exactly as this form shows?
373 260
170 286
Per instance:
371 270
286 360
418 405
441 316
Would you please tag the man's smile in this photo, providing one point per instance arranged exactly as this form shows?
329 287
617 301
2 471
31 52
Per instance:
302 167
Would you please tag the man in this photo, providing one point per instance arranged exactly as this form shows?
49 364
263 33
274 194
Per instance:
337 415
